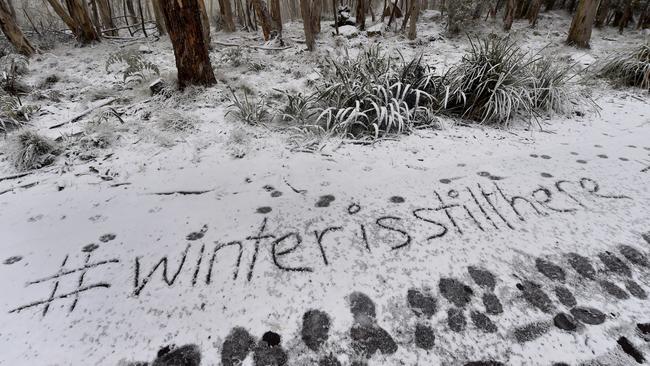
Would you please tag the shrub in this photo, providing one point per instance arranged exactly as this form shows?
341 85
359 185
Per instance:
28 150
629 67
496 81
253 111
370 95
136 68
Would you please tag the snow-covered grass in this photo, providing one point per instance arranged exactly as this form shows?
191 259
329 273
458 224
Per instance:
29 150
631 67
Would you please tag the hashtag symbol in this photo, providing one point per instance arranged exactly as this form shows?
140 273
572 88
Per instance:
63 273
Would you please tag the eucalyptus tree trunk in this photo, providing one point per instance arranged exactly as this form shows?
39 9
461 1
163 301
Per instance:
264 17
78 20
185 28
533 12
509 15
160 18
361 14
580 31
415 14
226 14
13 32
106 15
205 22
601 14
305 11
276 15
316 8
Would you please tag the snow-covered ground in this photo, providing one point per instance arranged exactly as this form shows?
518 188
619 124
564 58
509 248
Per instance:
483 239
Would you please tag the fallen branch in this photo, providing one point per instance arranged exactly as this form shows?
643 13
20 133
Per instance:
299 191
184 193
82 114
254 47
28 185
15 176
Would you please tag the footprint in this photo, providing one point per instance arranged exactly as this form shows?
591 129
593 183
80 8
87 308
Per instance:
315 329
188 355
614 264
565 296
483 322
367 336
13 259
530 332
424 336
535 296
238 344
482 277
421 304
324 201
588 315
107 237
456 320
455 291
196 235
269 351
614 290
550 270
492 304
582 265
565 321
633 255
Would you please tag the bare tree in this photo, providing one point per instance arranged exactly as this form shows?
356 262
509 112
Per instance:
13 32
580 31
509 15
184 25
264 17
77 19
226 14
106 15
415 14
361 14
316 8
276 15
305 11
160 19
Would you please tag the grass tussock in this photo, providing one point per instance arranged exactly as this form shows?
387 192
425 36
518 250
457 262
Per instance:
28 150
631 68
497 81
249 109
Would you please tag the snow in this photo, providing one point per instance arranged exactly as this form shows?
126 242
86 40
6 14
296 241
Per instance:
127 190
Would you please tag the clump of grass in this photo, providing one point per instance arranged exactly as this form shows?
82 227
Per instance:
367 96
497 81
630 68
28 150
253 111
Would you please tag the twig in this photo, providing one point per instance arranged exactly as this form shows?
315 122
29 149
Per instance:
184 193
78 116
28 185
254 47
299 191
15 176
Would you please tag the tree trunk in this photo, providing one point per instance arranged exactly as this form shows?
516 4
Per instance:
361 14
533 12
336 16
601 14
415 14
509 15
644 17
160 18
276 15
183 20
95 14
106 15
264 17
79 12
205 23
580 31
226 15
316 8
305 11
627 15
550 5
13 33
